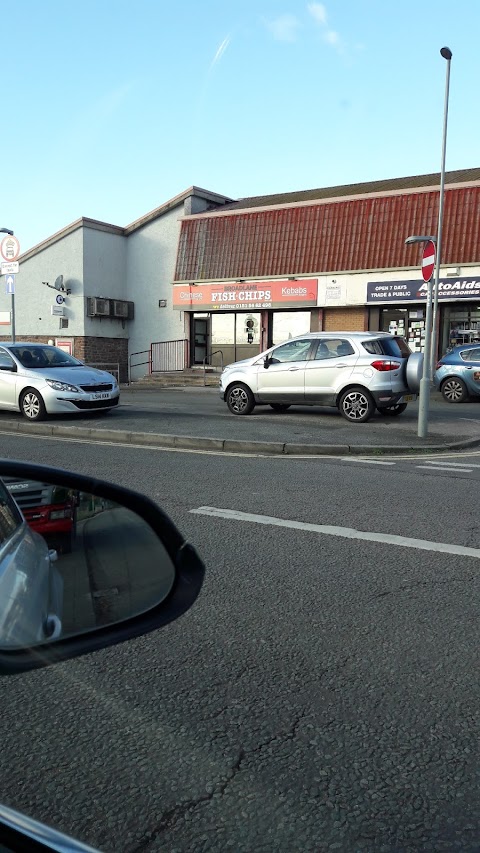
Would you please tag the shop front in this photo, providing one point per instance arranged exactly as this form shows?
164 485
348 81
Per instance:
229 321
399 307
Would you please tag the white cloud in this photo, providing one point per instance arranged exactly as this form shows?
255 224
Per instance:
331 37
284 28
220 51
319 12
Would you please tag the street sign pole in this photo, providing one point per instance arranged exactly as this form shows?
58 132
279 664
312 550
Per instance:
12 319
424 396
428 266
10 250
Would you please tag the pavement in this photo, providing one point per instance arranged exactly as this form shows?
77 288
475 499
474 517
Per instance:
197 419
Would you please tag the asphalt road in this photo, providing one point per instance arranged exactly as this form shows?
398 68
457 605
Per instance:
321 695
201 412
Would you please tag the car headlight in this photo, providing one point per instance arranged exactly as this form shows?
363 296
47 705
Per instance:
61 386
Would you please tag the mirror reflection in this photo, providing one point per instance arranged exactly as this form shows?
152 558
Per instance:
71 562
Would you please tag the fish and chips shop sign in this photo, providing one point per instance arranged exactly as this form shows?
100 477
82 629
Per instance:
246 295
416 291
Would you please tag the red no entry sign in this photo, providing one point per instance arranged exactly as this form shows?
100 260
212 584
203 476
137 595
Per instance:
428 260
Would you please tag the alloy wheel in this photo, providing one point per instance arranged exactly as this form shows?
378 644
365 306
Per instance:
238 400
31 406
453 390
355 406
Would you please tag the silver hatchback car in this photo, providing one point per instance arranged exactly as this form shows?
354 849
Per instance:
37 380
358 372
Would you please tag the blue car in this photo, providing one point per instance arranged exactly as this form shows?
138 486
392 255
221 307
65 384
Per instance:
457 373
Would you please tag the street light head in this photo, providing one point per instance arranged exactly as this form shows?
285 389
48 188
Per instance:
419 239
6 231
446 53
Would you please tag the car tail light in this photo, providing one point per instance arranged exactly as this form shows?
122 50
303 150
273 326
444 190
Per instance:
438 365
383 365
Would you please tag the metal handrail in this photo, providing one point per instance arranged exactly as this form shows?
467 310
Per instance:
216 352
140 363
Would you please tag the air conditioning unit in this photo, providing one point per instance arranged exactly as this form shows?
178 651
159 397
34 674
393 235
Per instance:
120 309
101 307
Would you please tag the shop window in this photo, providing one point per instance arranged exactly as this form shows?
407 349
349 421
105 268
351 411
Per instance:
290 324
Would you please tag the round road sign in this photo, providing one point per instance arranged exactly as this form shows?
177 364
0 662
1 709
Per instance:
10 248
428 260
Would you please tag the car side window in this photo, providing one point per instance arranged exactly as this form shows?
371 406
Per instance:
471 355
10 517
291 351
6 360
333 348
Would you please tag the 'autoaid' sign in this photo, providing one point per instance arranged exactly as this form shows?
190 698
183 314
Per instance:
416 291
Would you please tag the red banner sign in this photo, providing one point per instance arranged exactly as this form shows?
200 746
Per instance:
246 295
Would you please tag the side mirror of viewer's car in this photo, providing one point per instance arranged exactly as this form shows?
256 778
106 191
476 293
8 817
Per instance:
84 564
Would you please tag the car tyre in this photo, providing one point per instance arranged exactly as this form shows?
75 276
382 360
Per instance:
279 407
454 390
356 405
392 411
240 399
32 405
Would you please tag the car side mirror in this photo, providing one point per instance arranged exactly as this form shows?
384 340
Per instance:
10 368
267 361
84 564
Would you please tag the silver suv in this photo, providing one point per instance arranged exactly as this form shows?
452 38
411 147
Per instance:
357 372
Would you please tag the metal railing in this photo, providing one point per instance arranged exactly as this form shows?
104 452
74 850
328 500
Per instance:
110 367
139 363
216 352
168 356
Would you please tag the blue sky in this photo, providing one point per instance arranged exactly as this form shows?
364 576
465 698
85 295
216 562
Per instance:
111 107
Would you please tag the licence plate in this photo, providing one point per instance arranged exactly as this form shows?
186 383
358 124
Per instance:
100 396
407 398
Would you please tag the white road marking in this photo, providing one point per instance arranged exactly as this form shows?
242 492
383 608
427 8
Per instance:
370 461
441 468
344 532
456 464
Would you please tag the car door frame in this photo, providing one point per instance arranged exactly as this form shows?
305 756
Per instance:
328 391
284 394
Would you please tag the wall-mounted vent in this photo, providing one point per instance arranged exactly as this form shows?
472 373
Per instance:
120 309
114 309
101 307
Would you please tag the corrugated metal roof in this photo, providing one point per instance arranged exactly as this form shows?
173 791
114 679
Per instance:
384 186
367 233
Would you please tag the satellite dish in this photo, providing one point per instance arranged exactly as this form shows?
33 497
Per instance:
58 282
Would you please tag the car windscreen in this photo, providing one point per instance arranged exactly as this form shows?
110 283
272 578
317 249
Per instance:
43 357
395 347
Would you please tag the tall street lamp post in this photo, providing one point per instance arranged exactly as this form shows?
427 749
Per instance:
447 55
12 315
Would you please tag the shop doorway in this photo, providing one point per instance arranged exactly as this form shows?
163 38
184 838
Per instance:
200 338
224 338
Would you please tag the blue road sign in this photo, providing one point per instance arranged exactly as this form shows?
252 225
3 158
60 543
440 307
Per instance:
10 284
